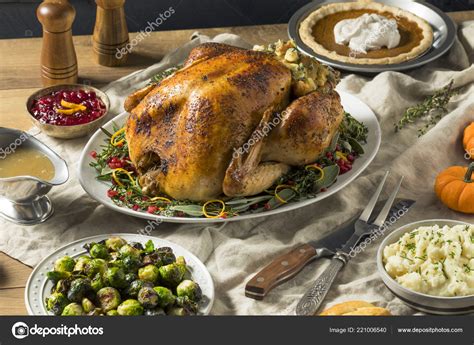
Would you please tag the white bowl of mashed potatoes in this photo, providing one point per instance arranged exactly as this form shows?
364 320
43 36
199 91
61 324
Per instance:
429 265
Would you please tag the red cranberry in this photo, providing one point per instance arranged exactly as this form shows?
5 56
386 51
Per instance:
112 193
152 209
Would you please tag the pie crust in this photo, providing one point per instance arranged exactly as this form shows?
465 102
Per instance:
307 36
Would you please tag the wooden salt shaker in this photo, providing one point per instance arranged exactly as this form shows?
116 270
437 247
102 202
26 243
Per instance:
58 57
110 33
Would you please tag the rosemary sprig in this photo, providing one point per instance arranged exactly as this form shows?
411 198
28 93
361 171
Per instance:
433 107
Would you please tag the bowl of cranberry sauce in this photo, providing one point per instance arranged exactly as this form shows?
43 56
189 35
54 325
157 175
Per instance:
68 111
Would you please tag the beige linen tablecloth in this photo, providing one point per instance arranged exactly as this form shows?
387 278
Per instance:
233 252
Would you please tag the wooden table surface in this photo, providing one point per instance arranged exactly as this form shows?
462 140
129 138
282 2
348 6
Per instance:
19 77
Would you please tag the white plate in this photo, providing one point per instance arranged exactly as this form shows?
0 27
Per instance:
98 189
39 287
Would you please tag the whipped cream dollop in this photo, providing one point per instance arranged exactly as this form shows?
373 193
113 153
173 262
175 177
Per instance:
370 31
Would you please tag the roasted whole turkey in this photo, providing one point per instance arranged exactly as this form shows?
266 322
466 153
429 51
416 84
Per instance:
231 121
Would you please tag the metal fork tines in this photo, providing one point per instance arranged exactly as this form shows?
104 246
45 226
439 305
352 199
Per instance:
362 225
312 299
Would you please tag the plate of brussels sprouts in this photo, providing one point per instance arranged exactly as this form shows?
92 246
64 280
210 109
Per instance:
120 275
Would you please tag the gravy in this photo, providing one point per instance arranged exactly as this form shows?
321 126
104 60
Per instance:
27 162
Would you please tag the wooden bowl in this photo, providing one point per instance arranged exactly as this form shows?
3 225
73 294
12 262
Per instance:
68 132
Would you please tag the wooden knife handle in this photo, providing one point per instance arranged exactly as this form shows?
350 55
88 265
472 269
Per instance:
279 270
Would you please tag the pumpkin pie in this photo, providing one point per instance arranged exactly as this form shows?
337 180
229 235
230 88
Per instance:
317 32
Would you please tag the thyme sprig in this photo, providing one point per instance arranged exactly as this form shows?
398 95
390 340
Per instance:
433 107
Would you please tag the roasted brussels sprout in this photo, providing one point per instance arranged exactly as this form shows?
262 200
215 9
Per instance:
99 251
115 276
171 275
130 307
72 309
155 312
130 277
165 296
95 266
113 244
161 256
114 256
87 305
64 264
148 297
190 289
137 245
181 262
81 263
131 263
179 311
108 298
185 302
97 282
62 286
136 286
79 287
56 276
149 273
166 255
120 278
128 250
95 312
56 303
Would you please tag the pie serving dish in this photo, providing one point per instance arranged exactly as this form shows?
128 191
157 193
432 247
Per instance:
426 303
38 286
98 189
444 33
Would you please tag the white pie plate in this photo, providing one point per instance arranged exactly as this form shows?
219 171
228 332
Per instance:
98 189
39 287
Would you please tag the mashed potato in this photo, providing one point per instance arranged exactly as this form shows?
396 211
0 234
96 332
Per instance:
434 260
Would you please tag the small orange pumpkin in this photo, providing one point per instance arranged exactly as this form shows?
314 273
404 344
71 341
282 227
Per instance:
455 188
468 140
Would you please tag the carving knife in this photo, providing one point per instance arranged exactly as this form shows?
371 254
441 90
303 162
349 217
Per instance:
286 266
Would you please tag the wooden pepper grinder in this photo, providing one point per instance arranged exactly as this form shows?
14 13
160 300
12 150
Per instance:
110 33
58 57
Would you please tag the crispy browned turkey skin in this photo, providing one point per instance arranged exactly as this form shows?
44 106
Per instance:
182 132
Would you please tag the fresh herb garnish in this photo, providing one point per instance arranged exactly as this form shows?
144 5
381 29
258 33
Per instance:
433 107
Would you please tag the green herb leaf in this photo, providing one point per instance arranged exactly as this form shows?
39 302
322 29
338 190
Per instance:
356 147
433 107
330 176
149 246
192 210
